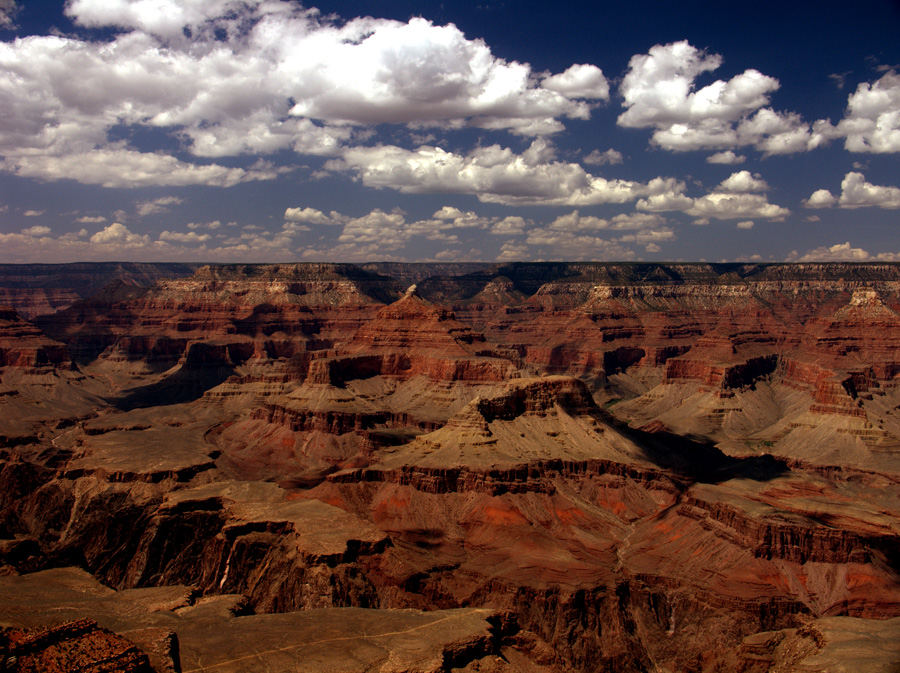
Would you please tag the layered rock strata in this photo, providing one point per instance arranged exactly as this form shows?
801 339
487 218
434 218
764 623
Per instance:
593 467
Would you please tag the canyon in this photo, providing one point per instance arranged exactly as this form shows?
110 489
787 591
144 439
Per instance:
509 468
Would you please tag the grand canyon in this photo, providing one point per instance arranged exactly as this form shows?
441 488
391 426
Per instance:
506 468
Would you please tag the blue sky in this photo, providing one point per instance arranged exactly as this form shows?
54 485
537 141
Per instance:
267 130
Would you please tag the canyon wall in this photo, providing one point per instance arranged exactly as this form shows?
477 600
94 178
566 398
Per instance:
618 467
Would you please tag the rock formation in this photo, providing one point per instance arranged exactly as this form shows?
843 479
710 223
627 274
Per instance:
525 467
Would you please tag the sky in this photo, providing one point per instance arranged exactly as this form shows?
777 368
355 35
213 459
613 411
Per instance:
274 131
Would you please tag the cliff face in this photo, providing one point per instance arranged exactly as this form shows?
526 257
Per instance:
625 466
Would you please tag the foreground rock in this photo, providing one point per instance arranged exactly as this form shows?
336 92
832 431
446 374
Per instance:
191 635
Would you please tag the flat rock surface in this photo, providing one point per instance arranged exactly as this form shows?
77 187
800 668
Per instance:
161 450
212 639
321 528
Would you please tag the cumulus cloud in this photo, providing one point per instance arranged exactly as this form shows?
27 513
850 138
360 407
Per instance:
577 222
33 213
509 226
871 122
583 237
184 237
118 234
213 225
727 157
160 17
842 252
729 206
659 88
159 205
90 219
579 81
512 251
660 92
256 77
494 174
732 199
118 167
743 181
38 230
821 198
856 193
598 158
637 221
745 224
378 234
547 243
311 215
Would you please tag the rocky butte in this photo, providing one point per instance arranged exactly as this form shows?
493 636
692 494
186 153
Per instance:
429 468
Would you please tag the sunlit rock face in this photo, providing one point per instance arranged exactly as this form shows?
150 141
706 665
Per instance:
526 467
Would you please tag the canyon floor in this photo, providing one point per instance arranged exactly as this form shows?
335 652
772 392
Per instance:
516 468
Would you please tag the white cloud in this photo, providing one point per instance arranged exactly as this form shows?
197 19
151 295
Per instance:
256 77
90 219
576 222
494 174
388 230
636 221
727 157
856 193
745 224
821 198
377 234
729 206
449 255
162 17
842 252
579 81
159 205
743 181
660 92
183 237
311 215
119 167
448 213
509 226
38 230
364 71
598 158
872 120
783 132
33 213
575 246
119 235
648 236
512 251
659 88
730 200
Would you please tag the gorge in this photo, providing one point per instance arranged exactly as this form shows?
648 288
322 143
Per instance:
529 467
